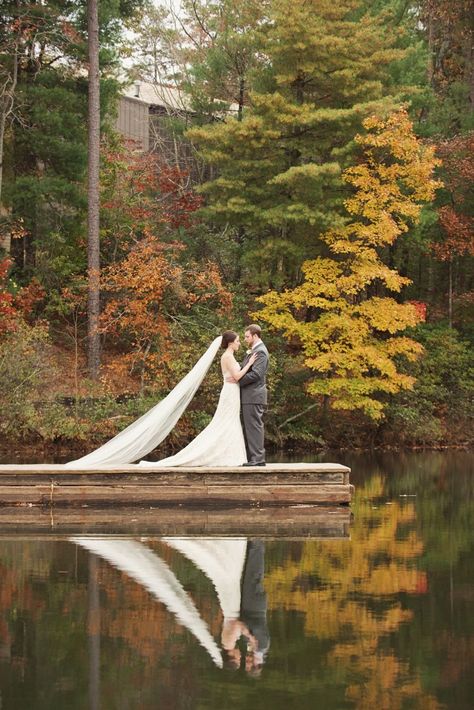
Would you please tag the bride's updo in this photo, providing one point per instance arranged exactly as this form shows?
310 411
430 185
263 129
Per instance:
228 336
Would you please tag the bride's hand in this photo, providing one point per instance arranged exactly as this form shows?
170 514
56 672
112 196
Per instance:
252 359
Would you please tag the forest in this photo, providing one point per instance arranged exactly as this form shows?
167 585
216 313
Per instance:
320 183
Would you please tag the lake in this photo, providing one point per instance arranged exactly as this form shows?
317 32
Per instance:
377 615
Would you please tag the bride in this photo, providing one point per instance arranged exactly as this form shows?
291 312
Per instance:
221 443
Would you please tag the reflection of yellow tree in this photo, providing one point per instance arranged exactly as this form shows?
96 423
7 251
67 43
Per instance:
347 592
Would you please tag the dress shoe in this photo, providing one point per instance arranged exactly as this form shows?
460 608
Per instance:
254 463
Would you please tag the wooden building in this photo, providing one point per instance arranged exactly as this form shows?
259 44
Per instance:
155 117
149 114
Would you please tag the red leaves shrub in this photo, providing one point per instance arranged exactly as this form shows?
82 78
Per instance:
16 307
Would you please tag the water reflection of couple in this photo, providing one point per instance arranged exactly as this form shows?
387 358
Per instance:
235 567
252 623
223 442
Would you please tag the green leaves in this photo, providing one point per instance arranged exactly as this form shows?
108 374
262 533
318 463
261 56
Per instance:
321 69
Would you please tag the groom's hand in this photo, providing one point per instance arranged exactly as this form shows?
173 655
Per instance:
231 379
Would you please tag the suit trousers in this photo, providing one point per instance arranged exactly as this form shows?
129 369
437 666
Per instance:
253 606
252 418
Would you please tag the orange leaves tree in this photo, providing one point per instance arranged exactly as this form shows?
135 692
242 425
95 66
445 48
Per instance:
16 305
350 331
150 282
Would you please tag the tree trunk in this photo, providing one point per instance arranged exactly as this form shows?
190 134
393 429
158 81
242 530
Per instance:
5 242
469 63
431 50
240 111
3 121
93 244
7 102
450 294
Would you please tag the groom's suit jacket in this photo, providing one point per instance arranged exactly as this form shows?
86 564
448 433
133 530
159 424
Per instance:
253 385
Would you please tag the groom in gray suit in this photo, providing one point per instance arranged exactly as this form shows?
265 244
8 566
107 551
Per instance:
253 397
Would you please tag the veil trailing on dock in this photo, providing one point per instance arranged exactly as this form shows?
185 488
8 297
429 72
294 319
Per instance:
143 435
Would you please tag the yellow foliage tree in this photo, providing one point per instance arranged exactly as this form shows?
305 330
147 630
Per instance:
349 330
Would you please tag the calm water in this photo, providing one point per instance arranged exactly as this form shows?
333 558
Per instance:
380 619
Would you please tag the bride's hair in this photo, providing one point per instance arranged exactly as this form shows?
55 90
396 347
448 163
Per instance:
228 336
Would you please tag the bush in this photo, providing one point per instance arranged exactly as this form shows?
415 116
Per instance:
26 406
439 408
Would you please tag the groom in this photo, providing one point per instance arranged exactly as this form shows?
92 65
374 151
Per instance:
253 397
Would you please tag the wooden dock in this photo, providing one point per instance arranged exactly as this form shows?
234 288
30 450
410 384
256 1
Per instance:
54 486
296 522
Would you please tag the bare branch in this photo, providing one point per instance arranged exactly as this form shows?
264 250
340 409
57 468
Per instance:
297 416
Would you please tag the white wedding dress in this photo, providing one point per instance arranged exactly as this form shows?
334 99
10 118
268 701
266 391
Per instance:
221 443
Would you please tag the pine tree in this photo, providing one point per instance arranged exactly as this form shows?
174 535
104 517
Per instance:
279 169
46 142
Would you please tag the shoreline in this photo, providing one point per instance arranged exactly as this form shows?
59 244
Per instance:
12 452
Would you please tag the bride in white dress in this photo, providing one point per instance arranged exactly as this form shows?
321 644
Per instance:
221 443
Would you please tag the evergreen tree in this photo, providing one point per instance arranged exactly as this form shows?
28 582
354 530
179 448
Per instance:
325 67
449 27
46 139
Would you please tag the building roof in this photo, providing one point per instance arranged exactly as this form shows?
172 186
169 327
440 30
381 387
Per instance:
170 97
165 95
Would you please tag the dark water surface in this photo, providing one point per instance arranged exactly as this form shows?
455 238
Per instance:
382 618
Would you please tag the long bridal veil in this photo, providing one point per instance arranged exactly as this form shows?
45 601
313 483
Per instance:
143 435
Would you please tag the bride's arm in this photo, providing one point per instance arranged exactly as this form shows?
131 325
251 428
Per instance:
232 367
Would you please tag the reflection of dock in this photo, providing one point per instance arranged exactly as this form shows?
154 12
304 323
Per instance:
282 522
276 484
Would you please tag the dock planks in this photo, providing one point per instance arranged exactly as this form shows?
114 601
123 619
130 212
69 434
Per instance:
286 484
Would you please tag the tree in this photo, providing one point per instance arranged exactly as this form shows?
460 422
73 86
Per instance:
33 37
151 280
147 47
450 30
279 169
141 193
222 62
439 408
16 304
349 330
93 197
456 216
9 50
209 48
145 292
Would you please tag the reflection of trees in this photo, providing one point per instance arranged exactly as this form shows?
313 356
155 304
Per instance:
348 593
444 487
352 624
44 631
